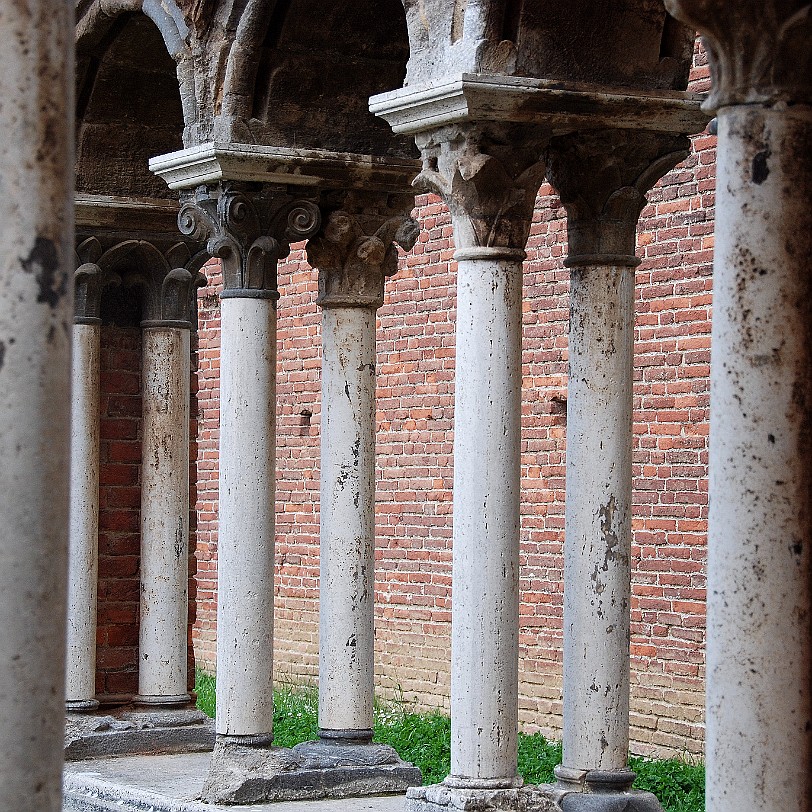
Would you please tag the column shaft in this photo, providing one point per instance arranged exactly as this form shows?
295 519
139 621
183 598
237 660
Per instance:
485 609
165 517
347 552
36 315
83 556
759 693
598 518
247 494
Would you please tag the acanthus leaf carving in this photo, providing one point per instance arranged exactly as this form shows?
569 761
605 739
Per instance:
760 51
355 252
489 175
602 179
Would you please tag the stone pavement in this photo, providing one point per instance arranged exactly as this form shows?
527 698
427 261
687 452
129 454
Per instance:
173 783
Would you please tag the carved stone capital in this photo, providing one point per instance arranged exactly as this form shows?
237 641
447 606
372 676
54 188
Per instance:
89 281
249 232
602 179
760 51
489 175
354 253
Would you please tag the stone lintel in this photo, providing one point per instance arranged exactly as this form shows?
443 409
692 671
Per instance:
310 771
210 163
561 107
130 215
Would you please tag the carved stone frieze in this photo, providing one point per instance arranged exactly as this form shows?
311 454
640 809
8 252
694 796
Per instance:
489 175
602 178
250 233
760 51
356 250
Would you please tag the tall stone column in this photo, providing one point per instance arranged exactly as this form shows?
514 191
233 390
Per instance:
489 176
36 315
249 235
354 254
83 550
602 179
164 605
759 635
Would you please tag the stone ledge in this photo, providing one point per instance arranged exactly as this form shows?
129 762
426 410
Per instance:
561 106
245 775
133 732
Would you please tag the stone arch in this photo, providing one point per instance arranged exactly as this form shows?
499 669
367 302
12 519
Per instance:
301 76
134 95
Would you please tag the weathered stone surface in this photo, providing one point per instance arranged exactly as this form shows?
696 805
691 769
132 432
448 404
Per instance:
632 801
440 798
243 775
759 52
489 175
128 732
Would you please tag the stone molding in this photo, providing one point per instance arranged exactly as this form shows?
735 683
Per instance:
212 163
760 51
563 107
355 252
602 179
489 175
249 232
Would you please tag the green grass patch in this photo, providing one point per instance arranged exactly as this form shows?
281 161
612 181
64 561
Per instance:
424 739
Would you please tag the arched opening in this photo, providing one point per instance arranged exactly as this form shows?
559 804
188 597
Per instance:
128 110
320 62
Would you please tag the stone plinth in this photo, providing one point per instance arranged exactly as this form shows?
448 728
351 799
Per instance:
131 732
247 775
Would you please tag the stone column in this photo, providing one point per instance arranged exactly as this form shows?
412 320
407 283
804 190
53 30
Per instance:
83 558
36 314
164 617
354 254
602 179
759 640
491 191
249 235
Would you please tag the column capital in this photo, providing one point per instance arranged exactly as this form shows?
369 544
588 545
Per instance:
489 175
250 230
760 51
89 281
356 250
602 179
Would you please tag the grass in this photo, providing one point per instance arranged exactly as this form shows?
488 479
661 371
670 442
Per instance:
425 740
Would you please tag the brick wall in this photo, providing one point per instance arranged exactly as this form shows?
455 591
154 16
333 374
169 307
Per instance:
415 459
119 511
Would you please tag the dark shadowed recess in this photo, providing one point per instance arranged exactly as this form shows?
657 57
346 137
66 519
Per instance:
320 62
128 110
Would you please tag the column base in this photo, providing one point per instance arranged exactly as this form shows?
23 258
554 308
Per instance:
599 791
241 774
81 705
176 700
133 731
446 798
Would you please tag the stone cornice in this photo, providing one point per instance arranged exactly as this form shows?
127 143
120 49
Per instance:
558 106
760 51
211 163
